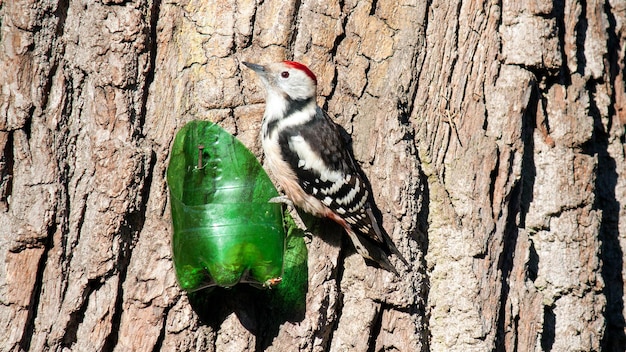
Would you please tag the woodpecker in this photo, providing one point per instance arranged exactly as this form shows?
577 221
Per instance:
308 157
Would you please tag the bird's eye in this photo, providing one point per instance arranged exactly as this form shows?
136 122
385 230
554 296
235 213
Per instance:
284 74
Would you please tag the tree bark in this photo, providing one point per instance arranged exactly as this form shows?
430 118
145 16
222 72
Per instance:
493 134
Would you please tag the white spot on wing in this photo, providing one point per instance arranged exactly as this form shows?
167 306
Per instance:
349 197
334 188
360 204
312 161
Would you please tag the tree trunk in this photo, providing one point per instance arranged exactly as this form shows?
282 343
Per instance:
493 134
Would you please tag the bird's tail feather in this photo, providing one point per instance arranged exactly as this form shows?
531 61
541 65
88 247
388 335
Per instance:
369 250
384 237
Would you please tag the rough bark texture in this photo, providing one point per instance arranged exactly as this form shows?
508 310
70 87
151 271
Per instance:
493 134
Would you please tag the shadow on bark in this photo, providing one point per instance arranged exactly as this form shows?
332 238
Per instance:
420 235
549 329
611 253
605 200
259 311
520 198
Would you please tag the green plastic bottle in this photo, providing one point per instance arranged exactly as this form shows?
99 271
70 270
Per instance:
225 230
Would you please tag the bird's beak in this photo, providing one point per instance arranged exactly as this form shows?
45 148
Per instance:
254 67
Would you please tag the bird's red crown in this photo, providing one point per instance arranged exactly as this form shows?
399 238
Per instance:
301 67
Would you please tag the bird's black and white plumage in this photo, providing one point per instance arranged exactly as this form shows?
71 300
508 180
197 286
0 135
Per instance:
309 158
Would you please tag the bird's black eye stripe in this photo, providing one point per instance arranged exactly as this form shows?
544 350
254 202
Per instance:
284 74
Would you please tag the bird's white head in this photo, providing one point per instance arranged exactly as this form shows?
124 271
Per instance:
289 79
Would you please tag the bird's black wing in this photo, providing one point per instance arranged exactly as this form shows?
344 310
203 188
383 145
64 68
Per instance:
340 187
346 192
